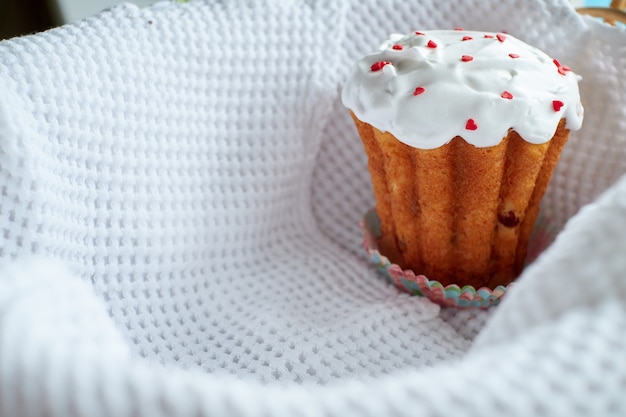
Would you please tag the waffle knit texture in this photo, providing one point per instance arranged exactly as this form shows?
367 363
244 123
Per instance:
181 191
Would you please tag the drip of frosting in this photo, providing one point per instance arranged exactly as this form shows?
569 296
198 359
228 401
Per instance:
428 87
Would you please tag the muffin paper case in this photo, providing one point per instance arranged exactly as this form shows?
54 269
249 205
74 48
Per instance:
450 295
180 195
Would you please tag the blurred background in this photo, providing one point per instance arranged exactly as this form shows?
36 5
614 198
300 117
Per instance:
21 17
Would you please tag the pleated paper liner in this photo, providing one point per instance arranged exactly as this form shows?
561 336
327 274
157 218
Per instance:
450 295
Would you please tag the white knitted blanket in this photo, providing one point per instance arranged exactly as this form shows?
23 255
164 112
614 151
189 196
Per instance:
180 197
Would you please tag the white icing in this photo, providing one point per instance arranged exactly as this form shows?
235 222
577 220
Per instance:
456 91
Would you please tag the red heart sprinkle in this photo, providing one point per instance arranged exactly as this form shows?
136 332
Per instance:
431 44
397 47
514 56
507 95
489 36
459 29
377 66
501 37
418 91
419 33
471 124
467 58
557 104
467 38
562 69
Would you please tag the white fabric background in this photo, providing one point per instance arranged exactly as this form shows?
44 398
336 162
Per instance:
181 190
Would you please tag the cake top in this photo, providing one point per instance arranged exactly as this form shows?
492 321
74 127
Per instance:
428 87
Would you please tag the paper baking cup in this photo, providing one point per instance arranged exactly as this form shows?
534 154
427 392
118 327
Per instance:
450 295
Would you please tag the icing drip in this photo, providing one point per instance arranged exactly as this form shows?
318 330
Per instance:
426 87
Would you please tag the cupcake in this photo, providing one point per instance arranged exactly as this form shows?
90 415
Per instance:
462 130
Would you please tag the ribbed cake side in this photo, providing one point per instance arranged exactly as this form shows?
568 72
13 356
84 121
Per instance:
550 158
459 214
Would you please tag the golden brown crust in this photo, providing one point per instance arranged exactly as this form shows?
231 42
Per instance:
435 200
551 158
459 214
477 178
523 163
376 165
